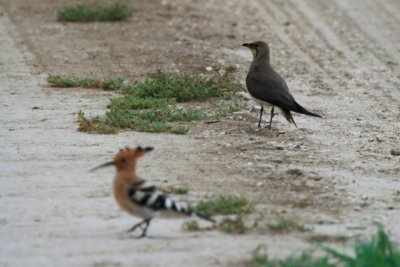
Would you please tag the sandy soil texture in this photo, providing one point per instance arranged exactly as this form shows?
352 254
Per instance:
336 175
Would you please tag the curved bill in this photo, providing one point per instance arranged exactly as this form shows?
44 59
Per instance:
103 165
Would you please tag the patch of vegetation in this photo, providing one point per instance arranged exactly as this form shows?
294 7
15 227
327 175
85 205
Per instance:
62 82
185 87
224 205
151 105
178 190
192 225
222 110
261 259
94 125
286 226
86 82
88 13
379 251
233 226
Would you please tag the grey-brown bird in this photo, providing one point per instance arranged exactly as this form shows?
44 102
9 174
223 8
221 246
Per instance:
267 87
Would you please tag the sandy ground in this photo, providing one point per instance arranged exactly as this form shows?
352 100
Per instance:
340 58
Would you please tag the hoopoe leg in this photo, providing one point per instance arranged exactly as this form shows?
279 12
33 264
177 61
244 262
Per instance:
261 112
270 120
136 226
145 228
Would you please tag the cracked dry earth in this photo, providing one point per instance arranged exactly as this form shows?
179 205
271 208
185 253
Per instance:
335 175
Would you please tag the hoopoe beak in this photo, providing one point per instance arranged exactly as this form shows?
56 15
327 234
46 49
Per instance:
144 149
248 45
103 165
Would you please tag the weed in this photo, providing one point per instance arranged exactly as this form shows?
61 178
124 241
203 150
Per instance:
94 125
185 87
86 82
150 105
89 82
192 225
88 13
224 205
62 82
223 110
132 102
179 129
285 226
379 251
305 259
233 226
112 84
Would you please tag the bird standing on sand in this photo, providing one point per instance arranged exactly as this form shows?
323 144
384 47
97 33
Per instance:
135 198
267 87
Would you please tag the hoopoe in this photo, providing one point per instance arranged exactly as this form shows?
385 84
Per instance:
137 199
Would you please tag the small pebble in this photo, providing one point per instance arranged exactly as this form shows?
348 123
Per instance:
395 151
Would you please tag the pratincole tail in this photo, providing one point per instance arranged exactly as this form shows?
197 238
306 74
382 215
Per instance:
300 109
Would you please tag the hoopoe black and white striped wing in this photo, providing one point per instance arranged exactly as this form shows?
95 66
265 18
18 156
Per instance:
155 200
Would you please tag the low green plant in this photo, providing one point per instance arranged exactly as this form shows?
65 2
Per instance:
94 125
86 82
61 82
151 105
91 12
233 225
378 251
222 110
185 87
192 225
305 259
285 226
224 205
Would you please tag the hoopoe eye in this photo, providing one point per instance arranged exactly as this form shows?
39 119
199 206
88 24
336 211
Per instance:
124 160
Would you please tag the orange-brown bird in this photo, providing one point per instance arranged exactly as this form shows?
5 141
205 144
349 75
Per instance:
267 87
137 199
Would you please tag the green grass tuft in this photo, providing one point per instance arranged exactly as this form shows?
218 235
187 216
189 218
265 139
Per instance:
86 82
88 13
151 105
224 205
233 226
286 226
112 84
62 82
192 225
305 259
185 87
222 110
94 125
379 251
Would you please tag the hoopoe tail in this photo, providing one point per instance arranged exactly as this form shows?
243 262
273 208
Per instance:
190 212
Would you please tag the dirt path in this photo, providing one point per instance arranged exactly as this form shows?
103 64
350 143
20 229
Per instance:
341 59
